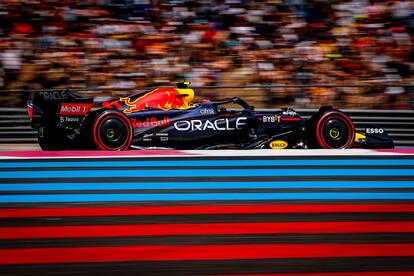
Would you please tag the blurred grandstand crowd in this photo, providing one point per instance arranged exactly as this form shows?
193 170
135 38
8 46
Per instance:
134 43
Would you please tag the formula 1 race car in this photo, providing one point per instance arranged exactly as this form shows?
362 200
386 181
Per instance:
167 118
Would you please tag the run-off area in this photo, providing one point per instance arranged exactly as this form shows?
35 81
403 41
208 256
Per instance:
192 213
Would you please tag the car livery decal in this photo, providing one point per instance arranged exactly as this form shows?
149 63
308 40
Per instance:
161 98
150 122
217 125
74 108
278 144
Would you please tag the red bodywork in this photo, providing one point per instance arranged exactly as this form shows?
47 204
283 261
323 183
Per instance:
161 98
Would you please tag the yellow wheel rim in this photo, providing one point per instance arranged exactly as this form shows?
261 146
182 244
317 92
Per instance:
110 133
334 133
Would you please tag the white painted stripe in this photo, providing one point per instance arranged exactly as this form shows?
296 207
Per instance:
188 153
291 152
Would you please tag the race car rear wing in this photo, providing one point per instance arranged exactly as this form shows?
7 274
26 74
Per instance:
53 108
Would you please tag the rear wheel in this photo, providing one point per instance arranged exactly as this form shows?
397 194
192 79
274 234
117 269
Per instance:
51 138
111 130
331 130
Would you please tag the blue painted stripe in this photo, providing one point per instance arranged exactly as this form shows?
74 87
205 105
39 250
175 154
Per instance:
208 185
201 197
206 173
198 163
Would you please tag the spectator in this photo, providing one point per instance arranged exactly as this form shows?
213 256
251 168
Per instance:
129 44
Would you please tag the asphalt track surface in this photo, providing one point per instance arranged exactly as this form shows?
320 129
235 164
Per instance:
171 214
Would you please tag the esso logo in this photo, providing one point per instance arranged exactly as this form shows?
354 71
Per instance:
278 144
373 130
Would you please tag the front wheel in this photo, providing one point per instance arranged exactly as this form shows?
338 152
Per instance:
332 129
112 130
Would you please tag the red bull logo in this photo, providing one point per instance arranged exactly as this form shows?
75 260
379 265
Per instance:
161 98
150 122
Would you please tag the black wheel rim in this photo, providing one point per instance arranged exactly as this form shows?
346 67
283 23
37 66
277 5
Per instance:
335 133
113 133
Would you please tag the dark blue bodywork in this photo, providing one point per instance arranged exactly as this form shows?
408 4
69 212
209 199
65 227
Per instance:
210 125
65 120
